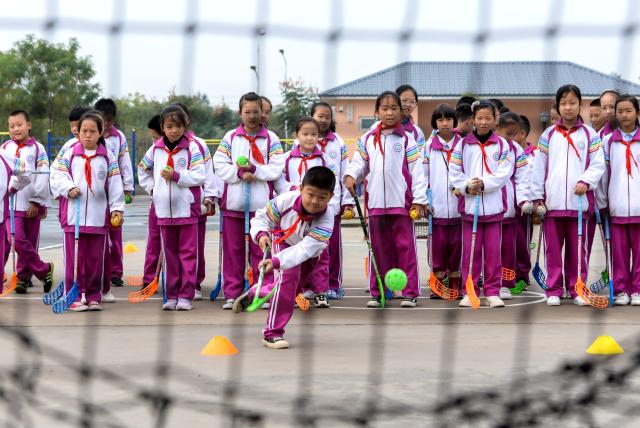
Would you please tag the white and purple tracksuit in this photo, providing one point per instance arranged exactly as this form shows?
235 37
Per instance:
298 241
389 160
266 162
27 230
446 245
621 184
524 229
491 163
177 208
97 176
337 158
560 164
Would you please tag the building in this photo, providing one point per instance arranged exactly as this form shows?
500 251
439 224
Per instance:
525 87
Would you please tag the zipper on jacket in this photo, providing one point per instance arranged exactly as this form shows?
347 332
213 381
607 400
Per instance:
384 177
170 199
566 182
86 206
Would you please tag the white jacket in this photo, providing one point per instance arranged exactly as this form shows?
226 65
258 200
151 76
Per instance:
13 174
117 144
435 164
176 201
311 235
36 160
233 145
394 178
558 168
296 166
104 197
338 160
467 162
518 187
619 190
212 186
55 192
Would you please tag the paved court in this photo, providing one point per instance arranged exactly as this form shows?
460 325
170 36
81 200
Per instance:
342 359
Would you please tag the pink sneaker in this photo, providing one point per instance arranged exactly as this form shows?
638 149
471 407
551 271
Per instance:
78 307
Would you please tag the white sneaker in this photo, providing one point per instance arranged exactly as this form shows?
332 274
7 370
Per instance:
505 293
409 302
78 307
622 299
265 305
465 303
198 295
579 301
108 297
83 299
228 304
95 306
635 299
553 301
275 343
169 305
184 305
376 302
495 302
309 295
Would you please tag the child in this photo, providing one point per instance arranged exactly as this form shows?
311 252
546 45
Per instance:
117 143
447 228
30 203
388 157
266 110
154 127
608 99
480 165
266 161
90 172
622 185
465 119
596 117
569 165
553 114
304 156
332 145
409 100
517 197
300 223
524 230
172 172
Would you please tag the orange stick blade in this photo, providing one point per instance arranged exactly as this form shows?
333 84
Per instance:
10 286
471 292
440 289
508 274
145 293
134 281
303 304
596 301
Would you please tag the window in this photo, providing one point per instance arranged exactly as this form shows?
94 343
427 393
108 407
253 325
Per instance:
366 122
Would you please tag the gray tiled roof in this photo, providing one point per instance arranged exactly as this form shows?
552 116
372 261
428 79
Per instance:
514 78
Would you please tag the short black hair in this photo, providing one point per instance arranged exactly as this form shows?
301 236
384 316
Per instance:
184 107
567 89
443 111
484 104
404 88
463 112
498 103
387 94
107 107
76 113
320 177
20 112
314 107
595 103
174 113
509 118
154 123
250 97
306 119
263 98
526 125
465 99
97 117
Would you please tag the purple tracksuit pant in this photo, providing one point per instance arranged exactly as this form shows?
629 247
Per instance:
563 232
180 244
488 235
625 251
446 247
393 240
523 253
27 239
115 252
335 255
508 248
93 269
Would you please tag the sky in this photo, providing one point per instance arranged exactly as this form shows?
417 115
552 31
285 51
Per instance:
155 56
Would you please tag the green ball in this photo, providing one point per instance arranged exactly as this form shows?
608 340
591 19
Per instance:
243 161
127 199
395 279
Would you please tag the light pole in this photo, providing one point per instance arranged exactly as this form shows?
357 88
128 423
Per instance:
255 70
286 121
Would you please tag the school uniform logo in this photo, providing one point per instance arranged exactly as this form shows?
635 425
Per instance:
31 158
581 145
182 162
397 147
101 175
496 156
333 154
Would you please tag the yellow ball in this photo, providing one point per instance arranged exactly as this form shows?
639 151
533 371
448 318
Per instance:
115 221
413 214
348 215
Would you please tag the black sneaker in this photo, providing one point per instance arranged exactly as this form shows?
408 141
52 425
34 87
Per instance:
275 342
241 303
320 301
117 282
409 302
375 302
434 296
47 282
22 285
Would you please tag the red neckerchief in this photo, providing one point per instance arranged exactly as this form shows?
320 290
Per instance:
376 136
484 157
304 161
628 155
290 230
567 135
323 142
255 151
171 153
87 168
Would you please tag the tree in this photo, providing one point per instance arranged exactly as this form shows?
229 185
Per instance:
297 99
46 80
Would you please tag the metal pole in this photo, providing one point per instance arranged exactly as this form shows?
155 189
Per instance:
286 110
49 138
133 160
